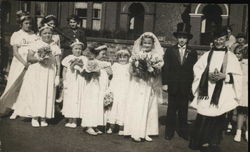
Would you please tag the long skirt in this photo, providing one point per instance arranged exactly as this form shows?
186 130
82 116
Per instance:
206 130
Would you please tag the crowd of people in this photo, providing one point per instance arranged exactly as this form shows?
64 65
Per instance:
49 67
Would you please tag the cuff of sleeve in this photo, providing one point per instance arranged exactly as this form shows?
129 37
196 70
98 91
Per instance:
229 78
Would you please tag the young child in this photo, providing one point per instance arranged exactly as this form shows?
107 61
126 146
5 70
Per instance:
74 83
92 112
119 86
242 109
141 118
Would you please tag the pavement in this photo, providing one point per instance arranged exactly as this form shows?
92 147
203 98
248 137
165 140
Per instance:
19 136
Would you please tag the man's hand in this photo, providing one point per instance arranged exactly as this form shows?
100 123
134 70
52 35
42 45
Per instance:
165 88
220 76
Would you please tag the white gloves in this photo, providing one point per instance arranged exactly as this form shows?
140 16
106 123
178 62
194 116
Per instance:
57 81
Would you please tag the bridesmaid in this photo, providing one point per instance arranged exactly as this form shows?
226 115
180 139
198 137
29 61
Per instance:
41 80
19 41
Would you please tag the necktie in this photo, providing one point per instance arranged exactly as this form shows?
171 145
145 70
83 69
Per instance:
182 54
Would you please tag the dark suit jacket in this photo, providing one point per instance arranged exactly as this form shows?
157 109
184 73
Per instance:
65 44
177 76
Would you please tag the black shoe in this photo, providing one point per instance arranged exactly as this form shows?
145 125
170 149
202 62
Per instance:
168 137
215 148
205 149
185 137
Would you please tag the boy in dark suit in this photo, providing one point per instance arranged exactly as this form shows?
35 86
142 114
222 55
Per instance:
177 77
72 32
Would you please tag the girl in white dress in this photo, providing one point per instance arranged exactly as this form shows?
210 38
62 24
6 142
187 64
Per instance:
141 118
242 109
119 86
74 84
41 79
92 112
20 41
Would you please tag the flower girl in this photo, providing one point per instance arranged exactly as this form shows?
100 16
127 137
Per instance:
96 76
141 118
41 79
119 86
74 83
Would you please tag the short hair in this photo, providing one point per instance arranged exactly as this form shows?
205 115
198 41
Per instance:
239 48
73 17
147 36
49 18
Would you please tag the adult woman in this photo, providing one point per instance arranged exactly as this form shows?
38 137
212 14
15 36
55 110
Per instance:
19 41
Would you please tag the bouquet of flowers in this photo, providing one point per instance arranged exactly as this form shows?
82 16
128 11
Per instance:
76 65
45 54
92 70
146 66
108 100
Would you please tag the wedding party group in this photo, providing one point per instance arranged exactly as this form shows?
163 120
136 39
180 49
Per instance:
49 67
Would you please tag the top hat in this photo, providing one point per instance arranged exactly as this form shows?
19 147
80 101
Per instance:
183 29
241 35
219 32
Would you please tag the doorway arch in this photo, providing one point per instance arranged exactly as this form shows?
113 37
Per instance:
136 14
210 20
202 23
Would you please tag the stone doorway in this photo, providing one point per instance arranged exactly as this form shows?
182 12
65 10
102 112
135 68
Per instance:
210 21
136 20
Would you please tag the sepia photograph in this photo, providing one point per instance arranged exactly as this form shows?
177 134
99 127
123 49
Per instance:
123 76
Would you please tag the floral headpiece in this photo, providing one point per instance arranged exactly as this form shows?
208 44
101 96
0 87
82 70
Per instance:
45 26
22 15
77 42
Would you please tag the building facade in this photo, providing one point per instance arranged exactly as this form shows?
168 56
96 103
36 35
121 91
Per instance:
134 18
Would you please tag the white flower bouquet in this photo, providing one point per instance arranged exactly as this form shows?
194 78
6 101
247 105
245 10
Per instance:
108 100
92 70
145 66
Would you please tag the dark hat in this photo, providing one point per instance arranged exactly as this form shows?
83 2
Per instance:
183 29
219 32
241 35
74 17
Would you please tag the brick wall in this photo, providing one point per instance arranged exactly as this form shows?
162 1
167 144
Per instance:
168 15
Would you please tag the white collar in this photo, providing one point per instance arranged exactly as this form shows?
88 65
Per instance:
183 47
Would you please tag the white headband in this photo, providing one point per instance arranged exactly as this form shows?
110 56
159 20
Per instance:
123 52
50 16
101 47
77 42
44 27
